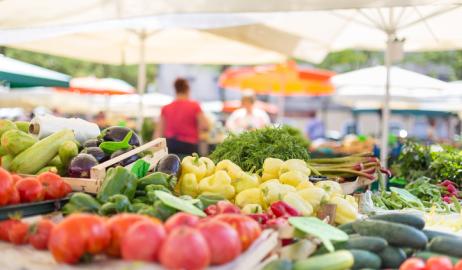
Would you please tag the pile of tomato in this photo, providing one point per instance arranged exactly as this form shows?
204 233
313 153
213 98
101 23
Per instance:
433 263
184 241
46 186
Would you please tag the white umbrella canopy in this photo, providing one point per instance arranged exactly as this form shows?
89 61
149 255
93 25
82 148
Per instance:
368 85
42 13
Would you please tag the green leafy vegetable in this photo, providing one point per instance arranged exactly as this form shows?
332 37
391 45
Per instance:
251 148
177 203
317 228
111 147
140 168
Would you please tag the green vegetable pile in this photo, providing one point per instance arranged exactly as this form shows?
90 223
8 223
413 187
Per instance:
250 149
417 160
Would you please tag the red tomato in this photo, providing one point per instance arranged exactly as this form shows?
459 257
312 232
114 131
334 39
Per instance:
51 183
18 233
15 178
247 228
458 265
413 264
6 184
181 219
78 235
142 241
14 196
5 227
65 189
185 248
39 233
30 190
222 239
118 225
439 263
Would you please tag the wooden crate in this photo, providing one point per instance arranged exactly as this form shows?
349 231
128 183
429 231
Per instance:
157 149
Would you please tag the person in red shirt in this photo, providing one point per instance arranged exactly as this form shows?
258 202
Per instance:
181 121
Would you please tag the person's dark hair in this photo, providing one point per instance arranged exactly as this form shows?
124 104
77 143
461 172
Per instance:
181 86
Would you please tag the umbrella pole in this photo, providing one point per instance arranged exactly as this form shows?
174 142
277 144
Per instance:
141 79
281 101
386 106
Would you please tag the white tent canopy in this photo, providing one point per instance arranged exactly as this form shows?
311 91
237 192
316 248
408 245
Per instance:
368 85
33 13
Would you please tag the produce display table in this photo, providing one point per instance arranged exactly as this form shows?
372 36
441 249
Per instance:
25 257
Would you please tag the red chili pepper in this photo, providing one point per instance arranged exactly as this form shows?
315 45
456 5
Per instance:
282 209
211 210
261 218
447 183
386 171
277 223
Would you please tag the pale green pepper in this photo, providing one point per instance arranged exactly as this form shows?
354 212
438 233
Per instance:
219 183
193 164
189 185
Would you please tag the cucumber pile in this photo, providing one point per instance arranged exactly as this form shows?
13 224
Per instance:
380 242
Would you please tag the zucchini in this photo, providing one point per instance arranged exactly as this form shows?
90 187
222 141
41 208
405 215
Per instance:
22 125
369 243
432 234
6 162
402 218
392 257
3 151
395 234
338 260
6 125
38 155
67 151
425 255
279 264
15 141
365 259
451 246
347 228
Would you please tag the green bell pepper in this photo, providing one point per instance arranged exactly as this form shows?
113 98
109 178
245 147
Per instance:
117 204
81 202
157 178
118 180
209 199
163 211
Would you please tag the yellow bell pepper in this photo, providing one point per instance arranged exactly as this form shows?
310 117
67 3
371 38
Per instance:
230 168
267 176
276 192
271 166
305 184
331 187
250 196
296 201
209 165
219 184
345 212
252 209
193 164
294 165
267 184
352 201
314 195
245 181
189 185
293 178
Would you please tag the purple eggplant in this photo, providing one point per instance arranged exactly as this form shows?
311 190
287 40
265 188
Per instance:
81 164
126 161
97 153
117 134
170 164
91 143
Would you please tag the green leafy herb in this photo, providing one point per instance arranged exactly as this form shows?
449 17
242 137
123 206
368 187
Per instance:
251 148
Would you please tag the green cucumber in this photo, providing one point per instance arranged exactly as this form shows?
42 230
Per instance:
365 259
392 257
427 255
402 218
369 243
446 245
338 260
279 264
67 151
432 234
347 228
395 234
3 151
6 125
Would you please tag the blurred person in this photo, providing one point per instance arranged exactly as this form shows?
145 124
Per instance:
315 127
181 121
100 119
247 117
